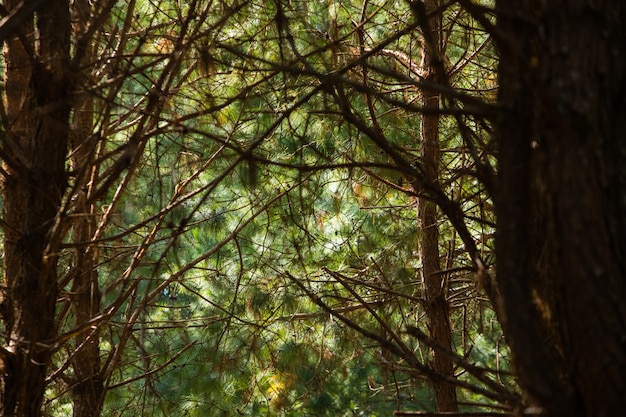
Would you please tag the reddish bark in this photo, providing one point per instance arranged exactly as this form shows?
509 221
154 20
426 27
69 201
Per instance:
37 82
435 303
87 386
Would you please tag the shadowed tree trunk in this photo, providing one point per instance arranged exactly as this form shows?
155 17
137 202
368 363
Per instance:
435 303
87 386
37 98
561 204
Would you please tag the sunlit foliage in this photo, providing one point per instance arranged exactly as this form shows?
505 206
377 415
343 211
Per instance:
255 193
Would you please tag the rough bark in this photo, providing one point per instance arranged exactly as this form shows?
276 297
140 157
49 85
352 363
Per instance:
87 386
435 303
560 206
37 83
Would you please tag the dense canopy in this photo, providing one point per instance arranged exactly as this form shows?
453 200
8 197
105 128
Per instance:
293 207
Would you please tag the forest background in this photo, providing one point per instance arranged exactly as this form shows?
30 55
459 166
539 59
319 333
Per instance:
290 207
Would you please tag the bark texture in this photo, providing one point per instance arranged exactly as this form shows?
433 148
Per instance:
88 386
37 83
435 302
561 204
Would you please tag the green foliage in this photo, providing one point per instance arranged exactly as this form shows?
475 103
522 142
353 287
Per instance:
267 226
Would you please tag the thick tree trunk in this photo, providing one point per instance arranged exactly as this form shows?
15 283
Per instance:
435 303
560 206
38 107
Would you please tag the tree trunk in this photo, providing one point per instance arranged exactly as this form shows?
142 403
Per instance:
560 206
87 386
435 303
37 101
